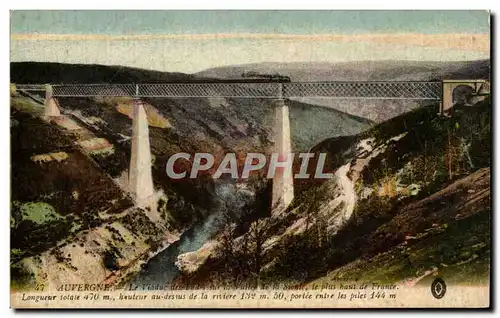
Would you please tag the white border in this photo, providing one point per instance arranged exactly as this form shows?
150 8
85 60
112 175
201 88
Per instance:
257 4
203 4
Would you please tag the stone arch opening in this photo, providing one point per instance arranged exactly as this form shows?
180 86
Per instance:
461 94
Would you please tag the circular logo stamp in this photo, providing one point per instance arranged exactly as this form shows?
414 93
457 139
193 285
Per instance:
438 288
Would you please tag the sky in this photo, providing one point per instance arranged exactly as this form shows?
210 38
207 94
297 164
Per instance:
190 41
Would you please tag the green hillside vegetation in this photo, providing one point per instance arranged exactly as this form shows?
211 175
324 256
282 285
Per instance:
52 199
458 250
65 207
37 212
436 153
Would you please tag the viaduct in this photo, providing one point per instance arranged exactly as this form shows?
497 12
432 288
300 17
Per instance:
140 176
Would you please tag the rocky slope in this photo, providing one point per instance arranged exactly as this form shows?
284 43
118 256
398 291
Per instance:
410 197
70 221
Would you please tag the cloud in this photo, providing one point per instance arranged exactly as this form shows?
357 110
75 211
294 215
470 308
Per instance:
191 53
470 42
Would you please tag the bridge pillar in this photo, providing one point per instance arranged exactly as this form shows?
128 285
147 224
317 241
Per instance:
447 98
51 104
140 176
282 194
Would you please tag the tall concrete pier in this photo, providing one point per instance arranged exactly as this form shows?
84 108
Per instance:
140 176
282 194
51 105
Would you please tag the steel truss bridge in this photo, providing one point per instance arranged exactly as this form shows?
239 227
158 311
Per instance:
338 90
140 176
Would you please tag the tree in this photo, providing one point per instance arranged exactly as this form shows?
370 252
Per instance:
258 233
227 248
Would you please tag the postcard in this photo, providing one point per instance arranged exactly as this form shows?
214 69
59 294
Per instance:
250 159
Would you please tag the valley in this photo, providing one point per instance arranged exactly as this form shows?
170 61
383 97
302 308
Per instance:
72 217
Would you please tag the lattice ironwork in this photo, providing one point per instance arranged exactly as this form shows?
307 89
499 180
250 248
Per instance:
365 90
89 90
337 90
243 90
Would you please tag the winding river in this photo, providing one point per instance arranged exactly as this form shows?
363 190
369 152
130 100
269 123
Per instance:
161 269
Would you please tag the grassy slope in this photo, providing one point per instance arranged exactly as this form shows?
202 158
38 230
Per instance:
310 125
74 188
454 241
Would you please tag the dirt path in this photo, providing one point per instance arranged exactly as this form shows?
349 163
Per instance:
347 189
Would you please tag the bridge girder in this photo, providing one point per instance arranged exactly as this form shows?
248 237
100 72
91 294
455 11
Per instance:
140 170
337 90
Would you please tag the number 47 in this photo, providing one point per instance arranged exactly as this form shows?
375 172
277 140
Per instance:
39 287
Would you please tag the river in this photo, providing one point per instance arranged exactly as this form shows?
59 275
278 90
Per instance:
161 269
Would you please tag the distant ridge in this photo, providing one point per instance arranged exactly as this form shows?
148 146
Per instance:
62 73
361 70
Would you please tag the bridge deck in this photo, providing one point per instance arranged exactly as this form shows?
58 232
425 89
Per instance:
337 90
